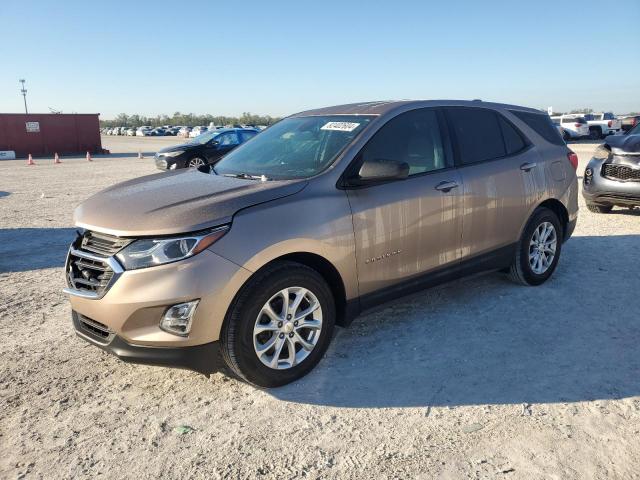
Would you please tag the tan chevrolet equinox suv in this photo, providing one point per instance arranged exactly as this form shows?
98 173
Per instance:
322 216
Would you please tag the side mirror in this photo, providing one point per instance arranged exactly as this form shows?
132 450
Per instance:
380 170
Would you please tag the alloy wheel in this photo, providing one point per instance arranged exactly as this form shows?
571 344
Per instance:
196 162
542 248
287 328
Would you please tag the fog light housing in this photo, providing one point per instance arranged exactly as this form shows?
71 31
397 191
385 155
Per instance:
178 318
173 166
588 175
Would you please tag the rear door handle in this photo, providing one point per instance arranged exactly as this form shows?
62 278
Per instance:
528 166
446 186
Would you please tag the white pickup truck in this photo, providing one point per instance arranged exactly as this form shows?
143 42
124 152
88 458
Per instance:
602 124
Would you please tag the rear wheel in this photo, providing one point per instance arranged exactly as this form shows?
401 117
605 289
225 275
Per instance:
538 251
599 208
279 326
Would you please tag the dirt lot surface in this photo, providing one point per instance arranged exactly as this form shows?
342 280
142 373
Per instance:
475 379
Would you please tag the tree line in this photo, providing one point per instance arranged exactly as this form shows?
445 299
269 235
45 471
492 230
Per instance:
188 119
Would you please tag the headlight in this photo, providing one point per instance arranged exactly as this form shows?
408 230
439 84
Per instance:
602 153
151 252
173 154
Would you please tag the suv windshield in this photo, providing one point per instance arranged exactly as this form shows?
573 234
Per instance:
297 147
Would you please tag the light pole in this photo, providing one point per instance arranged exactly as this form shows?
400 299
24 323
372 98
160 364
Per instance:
24 95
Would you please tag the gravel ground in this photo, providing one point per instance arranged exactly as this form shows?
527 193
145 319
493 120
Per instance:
479 378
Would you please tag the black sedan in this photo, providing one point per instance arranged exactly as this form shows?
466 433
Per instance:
205 149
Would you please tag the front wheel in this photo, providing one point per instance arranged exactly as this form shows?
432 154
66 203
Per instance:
539 249
196 162
279 326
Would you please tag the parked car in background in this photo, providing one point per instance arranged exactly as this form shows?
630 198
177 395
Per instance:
205 149
130 132
612 177
144 131
602 124
158 132
571 127
327 213
199 130
629 122
184 132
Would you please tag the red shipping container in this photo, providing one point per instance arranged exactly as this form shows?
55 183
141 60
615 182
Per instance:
48 133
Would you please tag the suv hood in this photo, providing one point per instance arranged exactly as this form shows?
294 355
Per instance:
175 202
624 144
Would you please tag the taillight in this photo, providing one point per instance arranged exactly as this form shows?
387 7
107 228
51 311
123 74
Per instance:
578 125
609 123
573 158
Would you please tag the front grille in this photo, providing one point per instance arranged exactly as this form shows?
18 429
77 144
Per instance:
622 173
89 273
102 243
91 267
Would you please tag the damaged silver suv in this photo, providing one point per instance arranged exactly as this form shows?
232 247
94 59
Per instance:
612 177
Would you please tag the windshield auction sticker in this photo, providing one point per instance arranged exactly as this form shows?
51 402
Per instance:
340 126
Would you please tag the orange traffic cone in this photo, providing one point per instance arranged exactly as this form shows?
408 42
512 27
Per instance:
30 160
140 154
56 158
88 157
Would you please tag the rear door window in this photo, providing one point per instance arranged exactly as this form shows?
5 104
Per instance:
478 134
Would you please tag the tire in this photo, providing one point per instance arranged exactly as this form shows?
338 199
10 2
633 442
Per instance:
196 162
595 134
240 343
565 136
599 208
521 270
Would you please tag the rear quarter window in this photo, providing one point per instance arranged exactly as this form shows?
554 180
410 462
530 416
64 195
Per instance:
541 124
513 138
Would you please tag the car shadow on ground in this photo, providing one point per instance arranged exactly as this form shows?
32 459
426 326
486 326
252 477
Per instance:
484 340
624 211
23 249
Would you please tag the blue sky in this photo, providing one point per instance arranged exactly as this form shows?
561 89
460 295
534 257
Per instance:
280 57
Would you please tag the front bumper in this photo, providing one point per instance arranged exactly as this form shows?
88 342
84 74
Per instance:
204 358
606 191
134 304
169 163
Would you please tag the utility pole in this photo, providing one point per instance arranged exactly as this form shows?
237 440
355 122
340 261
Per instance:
24 95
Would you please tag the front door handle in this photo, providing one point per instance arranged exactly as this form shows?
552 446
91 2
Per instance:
528 166
446 186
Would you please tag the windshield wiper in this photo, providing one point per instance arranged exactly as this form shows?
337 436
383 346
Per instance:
246 176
